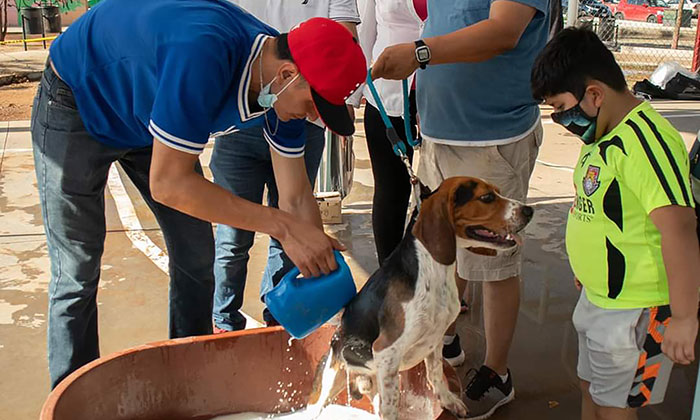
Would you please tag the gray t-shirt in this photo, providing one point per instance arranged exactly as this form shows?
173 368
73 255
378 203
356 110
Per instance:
486 103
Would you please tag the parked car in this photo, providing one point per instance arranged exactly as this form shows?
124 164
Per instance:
594 8
651 11
692 5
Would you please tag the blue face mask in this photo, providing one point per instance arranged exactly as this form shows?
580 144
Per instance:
267 99
577 122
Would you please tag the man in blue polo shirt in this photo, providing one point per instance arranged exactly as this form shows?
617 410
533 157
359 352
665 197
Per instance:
146 84
478 118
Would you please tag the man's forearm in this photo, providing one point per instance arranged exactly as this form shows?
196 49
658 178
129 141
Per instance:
484 40
193 194
304 208
479 42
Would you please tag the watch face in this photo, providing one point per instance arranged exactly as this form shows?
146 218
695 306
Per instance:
423 54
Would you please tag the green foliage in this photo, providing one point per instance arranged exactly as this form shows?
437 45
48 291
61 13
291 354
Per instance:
64 5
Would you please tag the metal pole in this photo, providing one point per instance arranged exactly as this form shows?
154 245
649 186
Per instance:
677 29
24 31
43 28
323 178
572 14
696 50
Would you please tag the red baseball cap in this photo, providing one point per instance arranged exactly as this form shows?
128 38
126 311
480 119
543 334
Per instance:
331 60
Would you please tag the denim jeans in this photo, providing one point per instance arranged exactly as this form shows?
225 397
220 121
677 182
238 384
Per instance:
71 169
241 163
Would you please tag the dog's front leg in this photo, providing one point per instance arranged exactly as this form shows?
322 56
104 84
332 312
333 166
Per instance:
388 361
436 377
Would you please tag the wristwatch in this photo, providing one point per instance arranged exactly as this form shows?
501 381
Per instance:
423 55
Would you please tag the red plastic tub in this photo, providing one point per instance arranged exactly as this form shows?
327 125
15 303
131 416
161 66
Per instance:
202 377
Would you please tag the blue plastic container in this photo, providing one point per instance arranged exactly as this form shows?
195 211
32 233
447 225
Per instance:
301 305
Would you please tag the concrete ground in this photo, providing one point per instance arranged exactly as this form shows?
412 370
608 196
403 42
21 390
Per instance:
14 62
132 297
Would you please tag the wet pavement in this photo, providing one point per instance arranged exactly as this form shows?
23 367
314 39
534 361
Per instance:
132 298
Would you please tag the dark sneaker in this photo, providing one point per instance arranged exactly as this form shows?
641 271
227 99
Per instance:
453 352
486 392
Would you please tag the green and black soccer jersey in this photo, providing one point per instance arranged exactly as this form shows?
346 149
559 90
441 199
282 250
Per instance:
614 248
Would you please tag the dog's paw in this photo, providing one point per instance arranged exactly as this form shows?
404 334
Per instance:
454 405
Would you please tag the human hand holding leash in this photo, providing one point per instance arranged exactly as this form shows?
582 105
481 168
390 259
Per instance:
396 62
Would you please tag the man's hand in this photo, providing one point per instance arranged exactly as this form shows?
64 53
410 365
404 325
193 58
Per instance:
578 284
679 340
310 249
396 62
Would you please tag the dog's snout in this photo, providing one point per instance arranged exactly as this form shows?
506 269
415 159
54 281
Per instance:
528 211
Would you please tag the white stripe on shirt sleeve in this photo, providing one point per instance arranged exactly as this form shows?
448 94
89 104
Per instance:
289 152
175 139
176 145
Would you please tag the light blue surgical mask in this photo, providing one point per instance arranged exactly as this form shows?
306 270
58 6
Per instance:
267 99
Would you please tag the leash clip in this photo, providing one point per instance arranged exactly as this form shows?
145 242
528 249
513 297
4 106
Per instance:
396 143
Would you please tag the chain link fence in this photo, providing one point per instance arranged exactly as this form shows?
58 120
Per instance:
643 33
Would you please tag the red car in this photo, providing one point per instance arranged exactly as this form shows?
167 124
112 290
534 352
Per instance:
651 11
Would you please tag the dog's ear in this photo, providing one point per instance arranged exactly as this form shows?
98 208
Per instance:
434 228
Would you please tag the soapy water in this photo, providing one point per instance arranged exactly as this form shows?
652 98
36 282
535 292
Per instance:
412 406
331 412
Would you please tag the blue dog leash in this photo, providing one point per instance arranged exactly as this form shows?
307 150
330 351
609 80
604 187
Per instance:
396 143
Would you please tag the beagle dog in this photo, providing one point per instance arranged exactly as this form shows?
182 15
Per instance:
400 316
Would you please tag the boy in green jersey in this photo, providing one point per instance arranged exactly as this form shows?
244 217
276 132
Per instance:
630 233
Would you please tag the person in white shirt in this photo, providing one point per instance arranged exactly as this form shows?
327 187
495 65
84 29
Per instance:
385 23
241 163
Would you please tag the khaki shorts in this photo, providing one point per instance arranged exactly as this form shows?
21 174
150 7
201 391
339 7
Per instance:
619 353
508 167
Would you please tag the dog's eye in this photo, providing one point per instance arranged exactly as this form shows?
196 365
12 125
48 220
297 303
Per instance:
488 198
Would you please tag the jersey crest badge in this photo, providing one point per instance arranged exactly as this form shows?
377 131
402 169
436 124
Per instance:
590 181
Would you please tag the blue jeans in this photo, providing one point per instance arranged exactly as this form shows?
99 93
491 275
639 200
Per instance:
241 163
71 169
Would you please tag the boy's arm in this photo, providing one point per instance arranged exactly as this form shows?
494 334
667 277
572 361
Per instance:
679 246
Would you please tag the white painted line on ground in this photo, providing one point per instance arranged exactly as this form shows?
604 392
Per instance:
134 230
555 166
131 223
566 200
11 151
680 115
